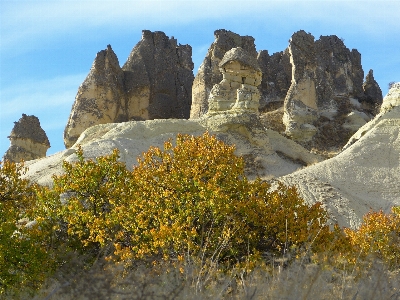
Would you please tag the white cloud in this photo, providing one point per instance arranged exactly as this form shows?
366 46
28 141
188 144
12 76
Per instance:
27 23
35 95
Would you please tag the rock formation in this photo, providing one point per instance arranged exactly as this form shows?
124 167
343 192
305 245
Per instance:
28 140
158 78
233 118
238 89
155 82
100 98
276 78
209 73
365 175
392 99
327 95
372 91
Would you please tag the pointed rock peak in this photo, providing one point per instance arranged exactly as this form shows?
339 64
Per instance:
372 91
106 56
370 76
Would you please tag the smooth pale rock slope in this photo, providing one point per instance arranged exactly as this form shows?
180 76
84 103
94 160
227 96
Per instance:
365 175
135 137
233 119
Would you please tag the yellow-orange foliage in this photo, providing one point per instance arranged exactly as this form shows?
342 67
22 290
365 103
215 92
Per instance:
379 234
24 259
194 198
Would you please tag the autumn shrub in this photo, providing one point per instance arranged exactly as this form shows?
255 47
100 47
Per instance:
188 199
24 256
193 199
378 236
85 199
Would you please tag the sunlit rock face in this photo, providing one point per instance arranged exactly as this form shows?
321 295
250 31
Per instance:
327 100
155 82
28 140
238 89
209 72
100 98
233 118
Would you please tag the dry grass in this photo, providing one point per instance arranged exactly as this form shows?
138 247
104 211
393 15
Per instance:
189 280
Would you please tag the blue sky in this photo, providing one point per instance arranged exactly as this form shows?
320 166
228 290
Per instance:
48 47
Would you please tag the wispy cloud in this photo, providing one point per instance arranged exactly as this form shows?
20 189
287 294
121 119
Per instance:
35 95
29 22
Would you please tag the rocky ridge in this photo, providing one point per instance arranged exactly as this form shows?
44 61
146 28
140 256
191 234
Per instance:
28 140
155 82
325 102
313 91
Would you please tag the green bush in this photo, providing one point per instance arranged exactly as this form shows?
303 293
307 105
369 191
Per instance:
24 256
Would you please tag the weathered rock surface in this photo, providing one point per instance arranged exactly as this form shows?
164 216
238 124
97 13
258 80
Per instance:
267 154
372 91
155 82
158 78
392 99
233 118
327 100
238 89
100 98
276 78
28 140
365 175
209 73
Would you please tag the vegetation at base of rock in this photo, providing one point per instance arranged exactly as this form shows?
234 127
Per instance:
24 256
188 203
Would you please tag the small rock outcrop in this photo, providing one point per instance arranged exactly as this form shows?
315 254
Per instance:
28 140
372 91
392 99
155 82
327 100
209 73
